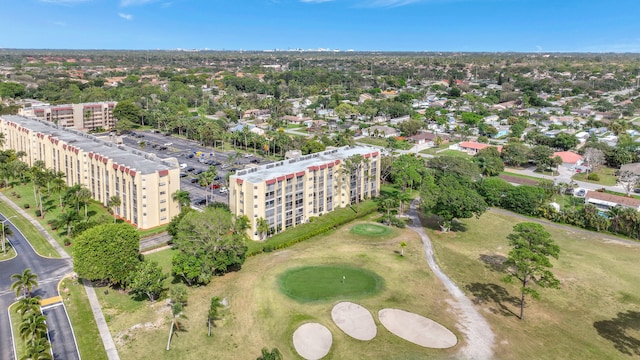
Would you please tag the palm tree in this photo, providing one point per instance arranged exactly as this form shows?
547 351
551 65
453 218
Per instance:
24 282
29 305
213 314
114 203
32 327
38 349
262 225
182 198
274 354
353 168
178 301
615 215
58 185
402 246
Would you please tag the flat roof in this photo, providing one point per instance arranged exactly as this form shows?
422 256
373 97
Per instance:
134 159
286 167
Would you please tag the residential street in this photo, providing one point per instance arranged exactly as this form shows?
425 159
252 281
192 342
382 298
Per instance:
50 272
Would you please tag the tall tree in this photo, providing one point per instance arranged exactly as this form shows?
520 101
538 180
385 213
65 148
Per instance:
24 282
182 197
451 198
114 204
108 252
352 169
148 280
529 260
262 226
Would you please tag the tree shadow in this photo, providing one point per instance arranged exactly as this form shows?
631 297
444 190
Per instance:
615 330
493 294
494 262
458 226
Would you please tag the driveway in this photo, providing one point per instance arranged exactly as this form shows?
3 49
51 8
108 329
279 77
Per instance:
50 272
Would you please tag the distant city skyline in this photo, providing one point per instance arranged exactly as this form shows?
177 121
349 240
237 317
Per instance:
359 25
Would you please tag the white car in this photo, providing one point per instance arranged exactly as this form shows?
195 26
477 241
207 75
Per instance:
183 166
168 144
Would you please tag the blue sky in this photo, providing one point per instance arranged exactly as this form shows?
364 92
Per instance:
384 25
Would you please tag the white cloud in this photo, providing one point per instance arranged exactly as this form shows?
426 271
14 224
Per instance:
126 16
126 3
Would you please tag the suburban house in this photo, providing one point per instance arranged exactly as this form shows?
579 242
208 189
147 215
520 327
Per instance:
380 131
633 168
472 147
605 202
428 138
569 158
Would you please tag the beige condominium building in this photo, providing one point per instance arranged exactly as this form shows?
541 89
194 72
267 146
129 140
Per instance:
144 183
85 116
289 192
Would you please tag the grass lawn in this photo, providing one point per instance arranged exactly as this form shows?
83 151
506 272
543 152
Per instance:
329 282
84 325
10 253
36 239
368 229
259 315
607 177
15 325
521 176
455 153
431 151
593 313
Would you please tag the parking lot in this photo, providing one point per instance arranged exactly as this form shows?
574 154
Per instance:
194 159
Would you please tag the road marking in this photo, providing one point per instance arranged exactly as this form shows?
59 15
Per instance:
51 300
43 308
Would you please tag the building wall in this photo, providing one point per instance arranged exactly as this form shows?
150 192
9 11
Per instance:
85 116
145 198
292 199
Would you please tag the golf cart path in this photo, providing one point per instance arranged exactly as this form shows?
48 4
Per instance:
476 329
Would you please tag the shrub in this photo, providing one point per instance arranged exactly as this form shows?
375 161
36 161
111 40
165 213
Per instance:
593 177
26 206
38 213
67 242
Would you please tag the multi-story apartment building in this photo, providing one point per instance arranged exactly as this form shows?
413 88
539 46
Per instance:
289 192
144 183
85 116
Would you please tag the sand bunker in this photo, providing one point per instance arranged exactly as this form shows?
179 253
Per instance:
417 329
312 341
354 320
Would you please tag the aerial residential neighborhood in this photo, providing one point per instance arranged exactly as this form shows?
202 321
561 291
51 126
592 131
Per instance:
191 180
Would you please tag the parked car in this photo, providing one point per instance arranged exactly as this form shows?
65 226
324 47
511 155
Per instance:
215 186
183 166
197 172
189 156
194 180
189 169
581 192
255 161
162 148
183 174
217 178
168 144
224 190
200 201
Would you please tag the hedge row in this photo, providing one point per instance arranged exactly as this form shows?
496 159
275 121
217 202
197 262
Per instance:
317 226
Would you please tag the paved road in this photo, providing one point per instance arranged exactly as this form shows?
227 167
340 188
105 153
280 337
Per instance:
62 341
50 272
478 333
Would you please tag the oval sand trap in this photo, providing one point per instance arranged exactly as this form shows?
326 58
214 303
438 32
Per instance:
417 329
312 341
354 320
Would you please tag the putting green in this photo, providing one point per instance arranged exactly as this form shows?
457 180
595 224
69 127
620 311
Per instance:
315 283
371 230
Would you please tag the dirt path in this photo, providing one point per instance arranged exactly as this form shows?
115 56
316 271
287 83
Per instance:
478 333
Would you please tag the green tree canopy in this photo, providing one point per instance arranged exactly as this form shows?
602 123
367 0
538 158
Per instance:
108 252
147 280
450 198
528 261
206 246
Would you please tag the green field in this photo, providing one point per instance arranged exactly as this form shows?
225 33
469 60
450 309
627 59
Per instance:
607 177
260 315
323 283
19 344
368 229
593 313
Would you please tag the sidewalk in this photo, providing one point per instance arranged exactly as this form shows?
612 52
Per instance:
45 233
101 322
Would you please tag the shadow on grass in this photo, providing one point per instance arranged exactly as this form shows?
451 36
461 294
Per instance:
494 262
617 331
496 295
433 222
